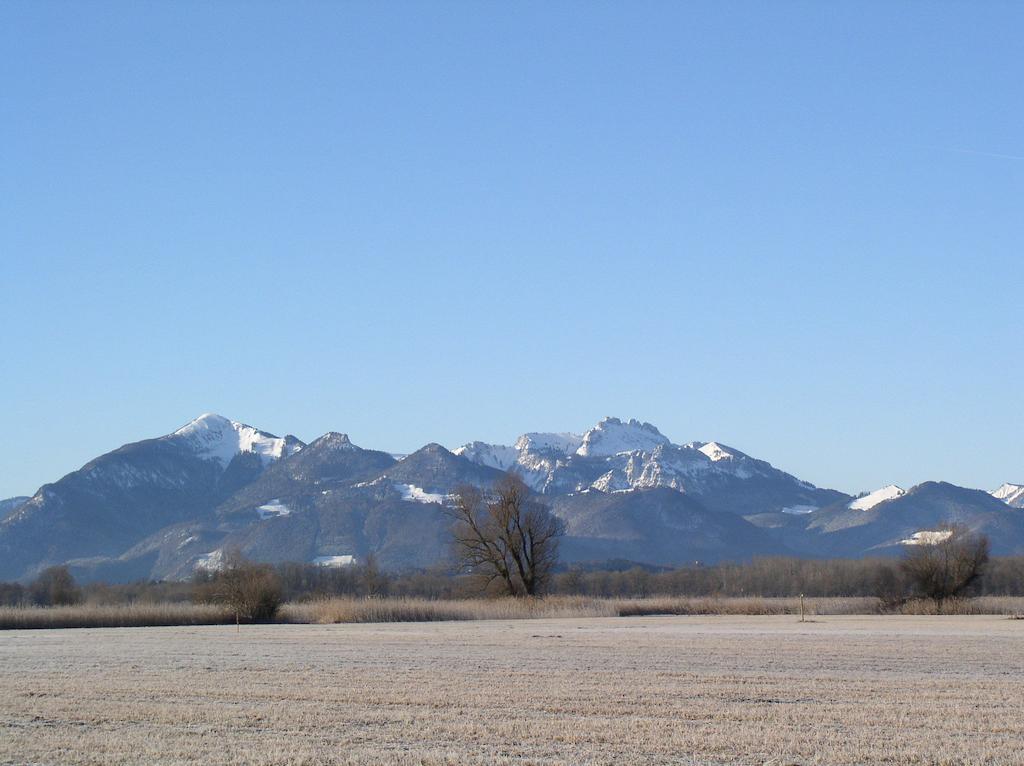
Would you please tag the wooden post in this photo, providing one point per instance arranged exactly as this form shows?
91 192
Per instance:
801 607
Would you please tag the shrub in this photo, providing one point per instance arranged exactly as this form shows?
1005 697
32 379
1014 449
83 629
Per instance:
252 592
55 587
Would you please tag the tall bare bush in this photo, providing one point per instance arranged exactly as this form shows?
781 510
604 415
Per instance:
55 587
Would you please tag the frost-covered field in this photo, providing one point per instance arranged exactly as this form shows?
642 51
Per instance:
749 690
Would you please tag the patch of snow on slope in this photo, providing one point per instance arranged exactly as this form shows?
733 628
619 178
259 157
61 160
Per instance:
1011 494
610 482
211 562
715 451
611 436
870 500
928 538
414 494
335 562
800 509
216 438
272 509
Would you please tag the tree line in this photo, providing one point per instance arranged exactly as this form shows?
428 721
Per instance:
762 577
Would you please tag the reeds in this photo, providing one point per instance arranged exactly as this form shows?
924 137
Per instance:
112 616
356 610
338 610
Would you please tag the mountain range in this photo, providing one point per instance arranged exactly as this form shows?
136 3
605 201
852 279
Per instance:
163 507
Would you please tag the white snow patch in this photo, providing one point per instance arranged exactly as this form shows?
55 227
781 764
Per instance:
217 438
926 537
414 494
870 500
335 561
800 509
715 451
1011 494
272 509
610 482
372 482
211 562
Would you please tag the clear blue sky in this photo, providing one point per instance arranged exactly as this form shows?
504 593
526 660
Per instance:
795 228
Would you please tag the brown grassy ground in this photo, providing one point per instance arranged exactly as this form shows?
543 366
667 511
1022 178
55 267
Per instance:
683 690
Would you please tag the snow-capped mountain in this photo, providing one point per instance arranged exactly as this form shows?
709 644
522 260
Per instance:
1011 494
119 498
216 438
883 524
620 456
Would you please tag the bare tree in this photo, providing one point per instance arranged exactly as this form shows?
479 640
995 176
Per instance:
506 537
945 563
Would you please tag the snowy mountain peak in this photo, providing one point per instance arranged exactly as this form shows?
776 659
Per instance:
870 500
1011 494
716 451
215 437
208 421
612 436
564 443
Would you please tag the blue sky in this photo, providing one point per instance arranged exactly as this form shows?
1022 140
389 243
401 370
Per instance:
795 228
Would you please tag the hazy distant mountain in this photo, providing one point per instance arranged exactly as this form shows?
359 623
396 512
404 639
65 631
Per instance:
861 528
116 500
160 508
656 526
8 505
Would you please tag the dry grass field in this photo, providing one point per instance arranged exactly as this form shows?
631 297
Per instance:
639 690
